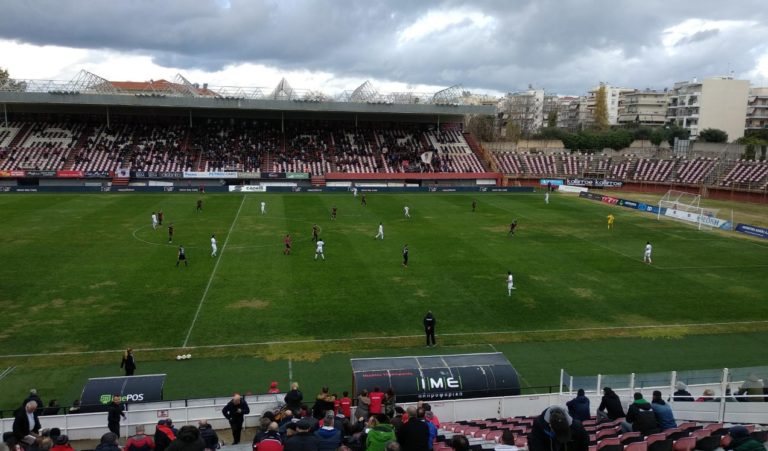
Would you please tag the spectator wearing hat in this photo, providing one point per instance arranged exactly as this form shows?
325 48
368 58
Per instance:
303 440
140 441
664 416
163 436
578 407
235 411
555 430
61 443
273 388
640 417
681 393
741 440
611 404
208 434
188 439
108 442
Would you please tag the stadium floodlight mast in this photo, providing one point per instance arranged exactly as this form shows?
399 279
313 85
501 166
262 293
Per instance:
283 91
448 96
364 93
89 82
184 87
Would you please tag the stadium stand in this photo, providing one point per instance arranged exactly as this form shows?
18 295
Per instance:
694 171
653 170
747 173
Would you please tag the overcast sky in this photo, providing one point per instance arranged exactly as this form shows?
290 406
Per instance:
563 46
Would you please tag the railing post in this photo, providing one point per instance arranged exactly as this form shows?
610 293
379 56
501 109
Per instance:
562 371
672 383
631 384
599 380
723 401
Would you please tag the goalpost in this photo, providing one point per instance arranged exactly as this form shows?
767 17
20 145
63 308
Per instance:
686 207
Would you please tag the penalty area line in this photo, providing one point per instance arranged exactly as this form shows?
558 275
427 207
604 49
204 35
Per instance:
392 337
213 273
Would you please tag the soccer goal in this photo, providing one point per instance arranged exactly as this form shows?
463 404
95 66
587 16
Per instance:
686 207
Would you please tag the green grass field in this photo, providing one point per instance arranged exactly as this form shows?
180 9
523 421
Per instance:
86 274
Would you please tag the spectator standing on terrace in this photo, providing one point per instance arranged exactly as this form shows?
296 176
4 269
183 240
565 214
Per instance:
140 441
263 207
154 221
389 403
664 416
273 388
578 407
235 411
611 404
363 405
114 415
328 436
293 399
414 434
163 436
429 328
681 393
377 401
555 430
128 362
380 233
324 402
345 405
380 433
26 421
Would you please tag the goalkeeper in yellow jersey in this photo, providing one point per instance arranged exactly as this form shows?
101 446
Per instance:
610 221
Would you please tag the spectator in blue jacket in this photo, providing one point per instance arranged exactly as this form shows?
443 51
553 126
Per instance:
663 412
578 407
329 438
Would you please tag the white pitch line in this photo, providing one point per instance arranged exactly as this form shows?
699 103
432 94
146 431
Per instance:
7 371
390 337
213 273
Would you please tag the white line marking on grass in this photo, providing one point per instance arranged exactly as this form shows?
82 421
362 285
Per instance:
213 273
6 372
392 337
712 267
154 244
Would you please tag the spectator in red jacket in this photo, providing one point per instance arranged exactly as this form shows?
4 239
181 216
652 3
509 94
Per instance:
140 441
377 401
62 444
273 388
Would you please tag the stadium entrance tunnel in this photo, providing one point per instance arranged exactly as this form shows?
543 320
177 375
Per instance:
427 378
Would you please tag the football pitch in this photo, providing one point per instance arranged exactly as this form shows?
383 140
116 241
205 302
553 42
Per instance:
83 276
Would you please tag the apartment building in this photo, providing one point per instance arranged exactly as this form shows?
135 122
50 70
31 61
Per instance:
757 109
718 102
647 107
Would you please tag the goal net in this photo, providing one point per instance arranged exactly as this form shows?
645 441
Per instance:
686 207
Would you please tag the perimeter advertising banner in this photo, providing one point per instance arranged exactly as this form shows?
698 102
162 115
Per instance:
595 183
553 182
36 174
98 392
757 231
12 173
209 175
157 174
70 174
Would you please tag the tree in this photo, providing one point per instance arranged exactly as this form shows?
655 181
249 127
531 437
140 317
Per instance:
550 133
552 119
658 135
713 135
9 84
600 113
482 127
513 131
643 133
676 131
753 141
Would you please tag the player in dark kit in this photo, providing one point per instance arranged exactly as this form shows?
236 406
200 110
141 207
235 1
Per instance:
182 257
363 202
160 217
199 205
170 233
429 328
512 228
474 205
315 230
287 242
405 255
333 213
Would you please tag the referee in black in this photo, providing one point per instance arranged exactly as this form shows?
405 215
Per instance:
429 328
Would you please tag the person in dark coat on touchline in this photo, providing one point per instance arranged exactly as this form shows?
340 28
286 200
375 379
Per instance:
429 328
129 362
114 415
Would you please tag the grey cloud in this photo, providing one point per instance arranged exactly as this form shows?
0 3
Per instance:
565 46
698 37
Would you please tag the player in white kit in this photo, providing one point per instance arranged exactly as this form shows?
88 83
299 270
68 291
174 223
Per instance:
154 221
647 254
380 234
263 207
407 212
319 249
546 198
214 247
510 283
